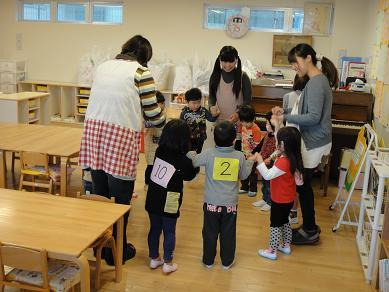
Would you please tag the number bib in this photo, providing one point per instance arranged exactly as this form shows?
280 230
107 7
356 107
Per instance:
225 169
162 172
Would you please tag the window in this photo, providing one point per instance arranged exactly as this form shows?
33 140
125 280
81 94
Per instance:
71 12
267 19
35 11
287 20
107 13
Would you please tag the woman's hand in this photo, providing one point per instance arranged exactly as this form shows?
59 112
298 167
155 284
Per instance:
276 121
214 111
234 117
277 110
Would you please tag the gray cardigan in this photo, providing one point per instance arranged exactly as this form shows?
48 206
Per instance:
314 118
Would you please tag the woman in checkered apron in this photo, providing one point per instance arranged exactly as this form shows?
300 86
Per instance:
123 92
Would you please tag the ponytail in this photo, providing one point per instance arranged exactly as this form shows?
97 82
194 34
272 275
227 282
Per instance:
329 70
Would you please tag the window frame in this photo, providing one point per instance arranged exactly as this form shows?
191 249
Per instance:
92 3
54 11
288 17
87 13
20 10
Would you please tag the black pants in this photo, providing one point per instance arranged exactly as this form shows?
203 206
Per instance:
219 220
108 186
250 183
307 201
148 171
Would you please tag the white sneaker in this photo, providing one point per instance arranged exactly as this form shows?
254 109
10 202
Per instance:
155 263
266 208
241 191
267 254
252 194
167 269
208 266
285 250
259 203
228 267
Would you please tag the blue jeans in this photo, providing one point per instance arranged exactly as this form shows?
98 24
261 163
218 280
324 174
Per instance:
158 224
266 191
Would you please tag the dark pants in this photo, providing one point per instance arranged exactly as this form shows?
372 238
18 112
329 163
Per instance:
197 144
307 201
266 191
250 183
158 224
148 171
219 220
108 186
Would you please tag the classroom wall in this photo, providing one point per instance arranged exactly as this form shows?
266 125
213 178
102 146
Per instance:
174 27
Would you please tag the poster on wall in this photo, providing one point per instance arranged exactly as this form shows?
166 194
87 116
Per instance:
317 18
282 44
385 29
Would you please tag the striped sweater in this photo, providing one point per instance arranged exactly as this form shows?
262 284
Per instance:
122 93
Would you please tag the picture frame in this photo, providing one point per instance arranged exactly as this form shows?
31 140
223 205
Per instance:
282 44
317 18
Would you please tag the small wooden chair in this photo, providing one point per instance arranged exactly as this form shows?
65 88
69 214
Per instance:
324 167
105 240
26 268
36 166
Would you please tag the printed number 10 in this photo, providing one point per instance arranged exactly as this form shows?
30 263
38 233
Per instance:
161 171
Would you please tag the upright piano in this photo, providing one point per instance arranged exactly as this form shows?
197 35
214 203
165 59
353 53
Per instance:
350 111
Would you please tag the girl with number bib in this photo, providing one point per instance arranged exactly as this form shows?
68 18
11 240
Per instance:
165 192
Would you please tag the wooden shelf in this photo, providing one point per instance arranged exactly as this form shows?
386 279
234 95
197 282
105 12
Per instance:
79 114
33 121
82 104
33 108
82 95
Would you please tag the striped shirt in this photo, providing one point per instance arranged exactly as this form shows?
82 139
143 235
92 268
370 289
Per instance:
122 92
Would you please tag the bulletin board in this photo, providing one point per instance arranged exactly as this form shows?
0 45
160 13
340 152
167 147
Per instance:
380 64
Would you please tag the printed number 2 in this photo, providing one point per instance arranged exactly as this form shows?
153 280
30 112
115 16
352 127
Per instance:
224 171
161 171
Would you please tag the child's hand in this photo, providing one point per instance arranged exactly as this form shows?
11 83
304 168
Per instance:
234 117
259 158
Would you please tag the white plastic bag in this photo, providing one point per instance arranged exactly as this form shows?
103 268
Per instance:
201 74
160 73
250 68
183 78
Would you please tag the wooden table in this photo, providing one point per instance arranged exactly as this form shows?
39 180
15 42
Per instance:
65 227
56 141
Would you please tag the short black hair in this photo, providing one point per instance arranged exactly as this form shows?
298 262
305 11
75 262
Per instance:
193 94
224 134
160 97
300 82
246 114
175 136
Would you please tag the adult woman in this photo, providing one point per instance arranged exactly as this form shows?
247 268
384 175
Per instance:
312 114
229 86
123 90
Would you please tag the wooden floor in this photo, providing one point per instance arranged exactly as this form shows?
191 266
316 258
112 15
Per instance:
332 265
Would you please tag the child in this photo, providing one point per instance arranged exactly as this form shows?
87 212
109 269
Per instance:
268 147
223 168
195 116
165 192
152 135
251 137
282 189
290 101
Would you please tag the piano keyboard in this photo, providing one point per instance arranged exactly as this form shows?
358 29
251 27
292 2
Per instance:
343 124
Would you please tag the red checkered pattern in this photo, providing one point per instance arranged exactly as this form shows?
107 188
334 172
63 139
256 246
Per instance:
109 147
